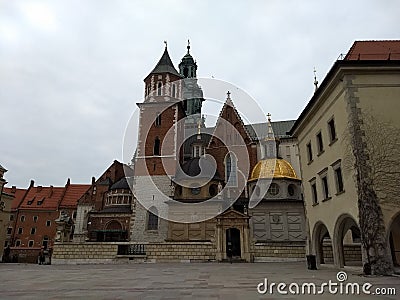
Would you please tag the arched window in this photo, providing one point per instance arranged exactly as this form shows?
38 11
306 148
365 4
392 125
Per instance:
152 219
158 119
231 170
157 146
159 88
173 90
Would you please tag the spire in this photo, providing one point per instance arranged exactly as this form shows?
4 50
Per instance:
269 145
315 80
270 132
165 64
188 66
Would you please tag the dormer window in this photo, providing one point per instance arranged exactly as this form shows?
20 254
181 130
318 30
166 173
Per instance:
40 202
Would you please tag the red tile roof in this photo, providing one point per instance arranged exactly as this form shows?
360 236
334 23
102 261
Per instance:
73 193
42 198
18 196
374 50
47 198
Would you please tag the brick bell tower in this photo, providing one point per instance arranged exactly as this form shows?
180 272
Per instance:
158 153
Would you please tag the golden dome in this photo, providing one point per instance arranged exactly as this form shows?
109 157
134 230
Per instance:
273 168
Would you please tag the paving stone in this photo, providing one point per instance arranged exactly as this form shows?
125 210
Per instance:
171 281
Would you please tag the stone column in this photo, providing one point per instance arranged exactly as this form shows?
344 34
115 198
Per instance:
246 243
220 252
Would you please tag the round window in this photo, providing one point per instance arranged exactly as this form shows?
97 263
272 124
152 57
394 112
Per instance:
195 191
291 189
213 190
273 189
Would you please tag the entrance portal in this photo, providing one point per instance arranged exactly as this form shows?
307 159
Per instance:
233 242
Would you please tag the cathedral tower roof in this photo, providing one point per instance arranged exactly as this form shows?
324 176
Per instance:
164 65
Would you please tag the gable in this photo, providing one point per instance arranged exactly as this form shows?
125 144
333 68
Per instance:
232 214
229 124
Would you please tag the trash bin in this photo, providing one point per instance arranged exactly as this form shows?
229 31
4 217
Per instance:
311 262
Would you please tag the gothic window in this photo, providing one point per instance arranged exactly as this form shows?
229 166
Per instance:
173 90
231 170
152 219
157 146
159 88
158 119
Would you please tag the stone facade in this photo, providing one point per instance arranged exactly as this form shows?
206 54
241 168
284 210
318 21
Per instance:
362 94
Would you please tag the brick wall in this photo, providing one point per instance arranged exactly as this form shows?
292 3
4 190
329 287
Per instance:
278 251
187 251
84 253
352 254
24 255
97 253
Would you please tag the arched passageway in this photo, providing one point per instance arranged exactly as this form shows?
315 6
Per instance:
322 244
348 242
394 241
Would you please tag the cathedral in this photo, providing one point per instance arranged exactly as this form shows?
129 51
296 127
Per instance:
186 195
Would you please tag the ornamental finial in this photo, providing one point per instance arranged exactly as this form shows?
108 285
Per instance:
315 80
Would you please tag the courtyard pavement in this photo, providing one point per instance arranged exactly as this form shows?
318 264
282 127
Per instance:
175 281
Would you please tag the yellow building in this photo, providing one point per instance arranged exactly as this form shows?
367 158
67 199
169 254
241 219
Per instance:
352 115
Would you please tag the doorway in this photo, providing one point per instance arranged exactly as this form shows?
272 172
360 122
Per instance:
233 243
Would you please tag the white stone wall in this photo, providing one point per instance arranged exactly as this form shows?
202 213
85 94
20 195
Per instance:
150 192
80 230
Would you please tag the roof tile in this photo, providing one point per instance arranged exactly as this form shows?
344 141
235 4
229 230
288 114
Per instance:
374 50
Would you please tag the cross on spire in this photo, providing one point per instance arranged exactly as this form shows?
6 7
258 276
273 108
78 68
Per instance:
166 44
228 93
188 46
315 79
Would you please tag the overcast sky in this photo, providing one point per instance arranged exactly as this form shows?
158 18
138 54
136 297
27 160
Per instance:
71 71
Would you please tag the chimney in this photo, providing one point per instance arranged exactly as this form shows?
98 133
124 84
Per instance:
68 182
93 180
13 189
32 183
51 191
